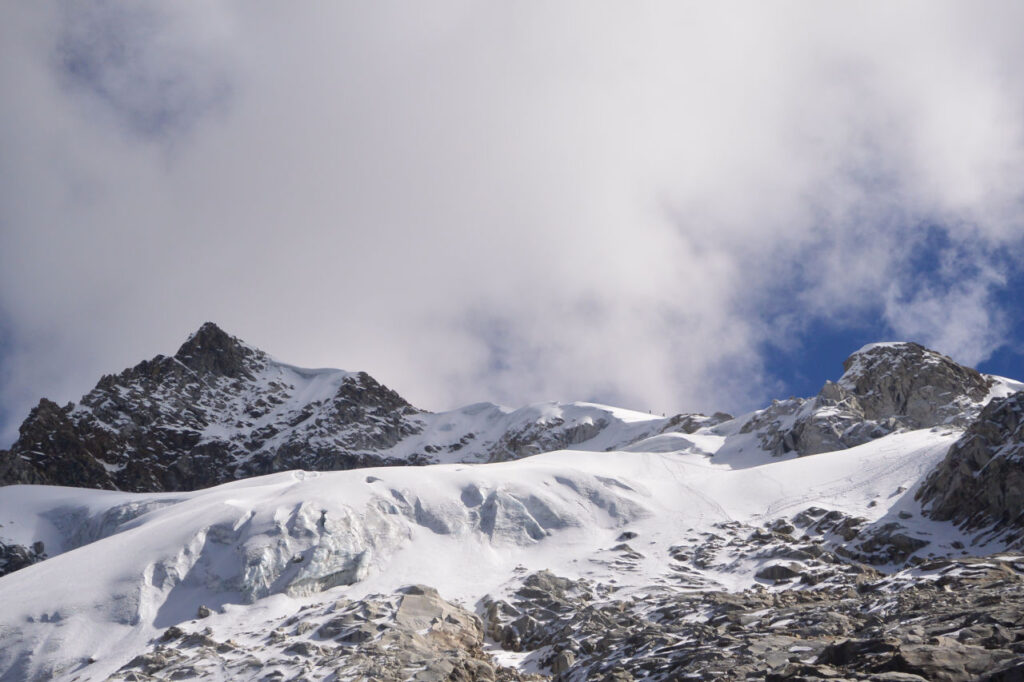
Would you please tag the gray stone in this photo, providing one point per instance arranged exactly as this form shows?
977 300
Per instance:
981 481
563 662
884 388
779 572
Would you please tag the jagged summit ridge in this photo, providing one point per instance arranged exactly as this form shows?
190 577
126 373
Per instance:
217 410
220 410
211 349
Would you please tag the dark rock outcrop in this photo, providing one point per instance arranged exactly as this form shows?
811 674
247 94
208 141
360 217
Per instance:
980 484
51 449
212 351
17 557
413 634
919 386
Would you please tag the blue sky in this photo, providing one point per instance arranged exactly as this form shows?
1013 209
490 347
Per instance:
674 209
1008 360
821 350
817 350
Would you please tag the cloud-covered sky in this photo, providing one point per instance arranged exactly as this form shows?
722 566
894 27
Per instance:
668 206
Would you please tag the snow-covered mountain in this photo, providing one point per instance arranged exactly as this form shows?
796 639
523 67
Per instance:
220 410
871 532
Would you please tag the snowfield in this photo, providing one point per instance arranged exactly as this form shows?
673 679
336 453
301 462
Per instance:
124 567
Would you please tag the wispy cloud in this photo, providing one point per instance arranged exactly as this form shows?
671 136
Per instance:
151 72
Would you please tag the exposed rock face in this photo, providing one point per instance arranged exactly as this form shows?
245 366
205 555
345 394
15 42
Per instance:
981 481
957 621
885 388
16 557
53 449
921 387
211 351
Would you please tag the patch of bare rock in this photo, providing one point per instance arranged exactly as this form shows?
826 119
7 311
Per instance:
411 635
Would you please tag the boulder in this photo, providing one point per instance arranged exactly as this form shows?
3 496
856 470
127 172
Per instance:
779 572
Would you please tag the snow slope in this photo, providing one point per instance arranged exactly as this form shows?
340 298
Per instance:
134 564
485 431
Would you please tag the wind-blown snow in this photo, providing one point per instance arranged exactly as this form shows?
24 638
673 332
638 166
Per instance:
1002 387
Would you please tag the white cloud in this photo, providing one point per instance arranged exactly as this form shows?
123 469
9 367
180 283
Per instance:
478 202
952 308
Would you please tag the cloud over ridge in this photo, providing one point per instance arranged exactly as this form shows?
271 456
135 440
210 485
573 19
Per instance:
517 203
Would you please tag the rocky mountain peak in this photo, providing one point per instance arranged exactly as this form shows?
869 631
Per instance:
907 380
217 410
884 351
221 410
211 349
885 387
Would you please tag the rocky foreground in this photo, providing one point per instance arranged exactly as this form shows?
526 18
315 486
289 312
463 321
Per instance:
948 620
